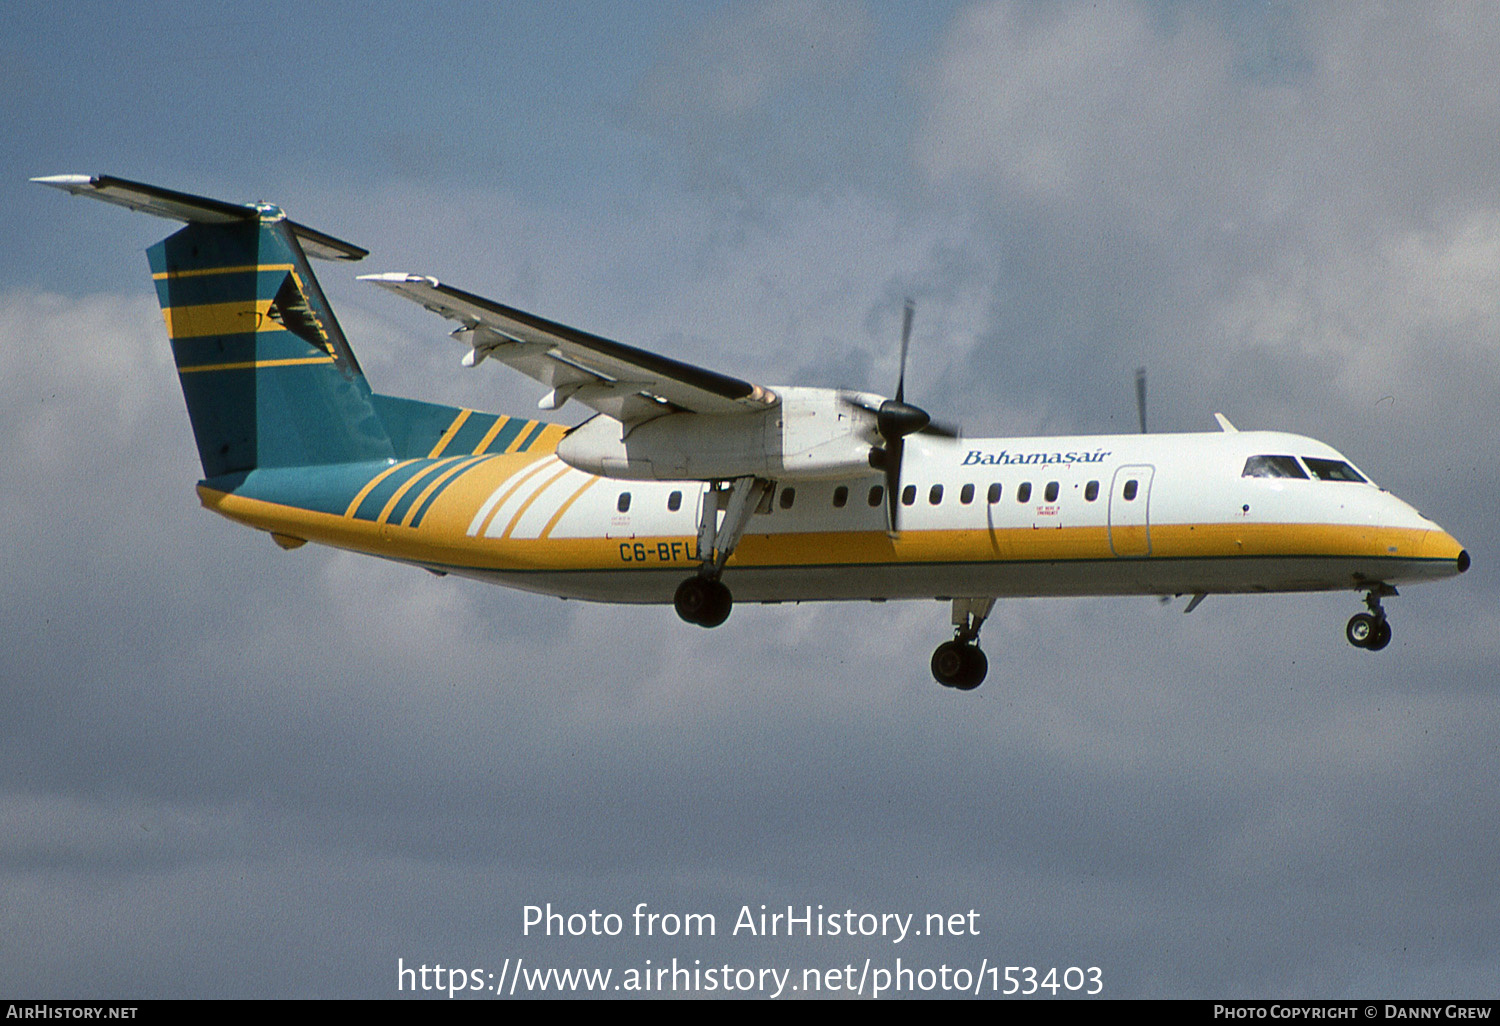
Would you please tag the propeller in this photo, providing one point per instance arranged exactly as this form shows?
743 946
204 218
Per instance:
894 420
1140 395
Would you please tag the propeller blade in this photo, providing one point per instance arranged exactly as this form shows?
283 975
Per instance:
1140 395
906 316
893 453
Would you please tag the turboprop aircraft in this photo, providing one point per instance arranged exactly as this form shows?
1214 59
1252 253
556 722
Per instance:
696 488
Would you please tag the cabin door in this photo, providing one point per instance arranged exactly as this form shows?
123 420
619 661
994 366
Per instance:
1130 511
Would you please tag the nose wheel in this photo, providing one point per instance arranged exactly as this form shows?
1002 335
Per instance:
1371 630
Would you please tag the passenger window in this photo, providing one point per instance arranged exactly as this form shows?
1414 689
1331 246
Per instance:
1130 490
623 502
994 494
1091 491
1051 491
788 496
1272 466
1331 470
674 501
966 494
908 495
1023 493
876 494
840 496
935 496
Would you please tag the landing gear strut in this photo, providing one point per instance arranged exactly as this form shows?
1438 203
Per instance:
1371 630
960 663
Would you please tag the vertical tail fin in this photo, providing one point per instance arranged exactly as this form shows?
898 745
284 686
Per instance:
268 376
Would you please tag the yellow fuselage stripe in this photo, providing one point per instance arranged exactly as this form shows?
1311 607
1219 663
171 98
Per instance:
407 486
547 531
374 481
446 475
532 498
490 516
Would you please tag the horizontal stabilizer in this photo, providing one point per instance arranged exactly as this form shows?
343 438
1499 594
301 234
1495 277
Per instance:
181 206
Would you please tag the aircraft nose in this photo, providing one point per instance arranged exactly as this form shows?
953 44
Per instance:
1442 545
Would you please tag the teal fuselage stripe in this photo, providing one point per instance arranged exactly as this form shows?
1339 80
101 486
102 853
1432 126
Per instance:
370 507
469 464
421 481
327 489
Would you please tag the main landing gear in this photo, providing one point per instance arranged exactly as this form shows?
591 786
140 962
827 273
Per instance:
704 599
1371 630
960 663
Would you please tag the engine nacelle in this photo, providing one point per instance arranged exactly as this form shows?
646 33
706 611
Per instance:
811 433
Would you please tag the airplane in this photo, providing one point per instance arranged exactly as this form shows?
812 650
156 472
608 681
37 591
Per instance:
700 489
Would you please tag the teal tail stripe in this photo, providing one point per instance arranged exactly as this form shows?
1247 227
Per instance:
212 351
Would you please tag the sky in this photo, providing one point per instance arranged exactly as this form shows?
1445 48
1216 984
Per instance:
232 771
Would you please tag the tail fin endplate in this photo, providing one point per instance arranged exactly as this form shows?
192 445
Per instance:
268 376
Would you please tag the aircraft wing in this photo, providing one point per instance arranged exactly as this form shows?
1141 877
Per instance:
628 384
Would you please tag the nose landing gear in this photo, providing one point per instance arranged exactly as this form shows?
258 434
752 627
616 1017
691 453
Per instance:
1371 630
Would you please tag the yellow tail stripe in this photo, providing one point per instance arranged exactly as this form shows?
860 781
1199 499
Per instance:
442 443
248 364
489 436
374 481
235 318
198 272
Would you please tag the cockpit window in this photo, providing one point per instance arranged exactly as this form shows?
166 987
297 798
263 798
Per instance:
1273 466
1331 470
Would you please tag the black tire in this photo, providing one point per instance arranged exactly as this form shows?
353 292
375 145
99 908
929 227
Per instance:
1381 637
948 663
976 667
692 599
1361 629
720 602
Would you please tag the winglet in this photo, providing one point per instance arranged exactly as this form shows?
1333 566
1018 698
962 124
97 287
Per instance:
1224 424
182 206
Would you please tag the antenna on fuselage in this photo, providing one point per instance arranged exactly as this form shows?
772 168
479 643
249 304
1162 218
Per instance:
1140 395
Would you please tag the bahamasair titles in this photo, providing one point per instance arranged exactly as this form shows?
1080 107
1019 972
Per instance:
696 488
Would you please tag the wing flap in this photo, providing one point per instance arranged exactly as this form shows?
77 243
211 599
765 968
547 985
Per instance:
620 381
